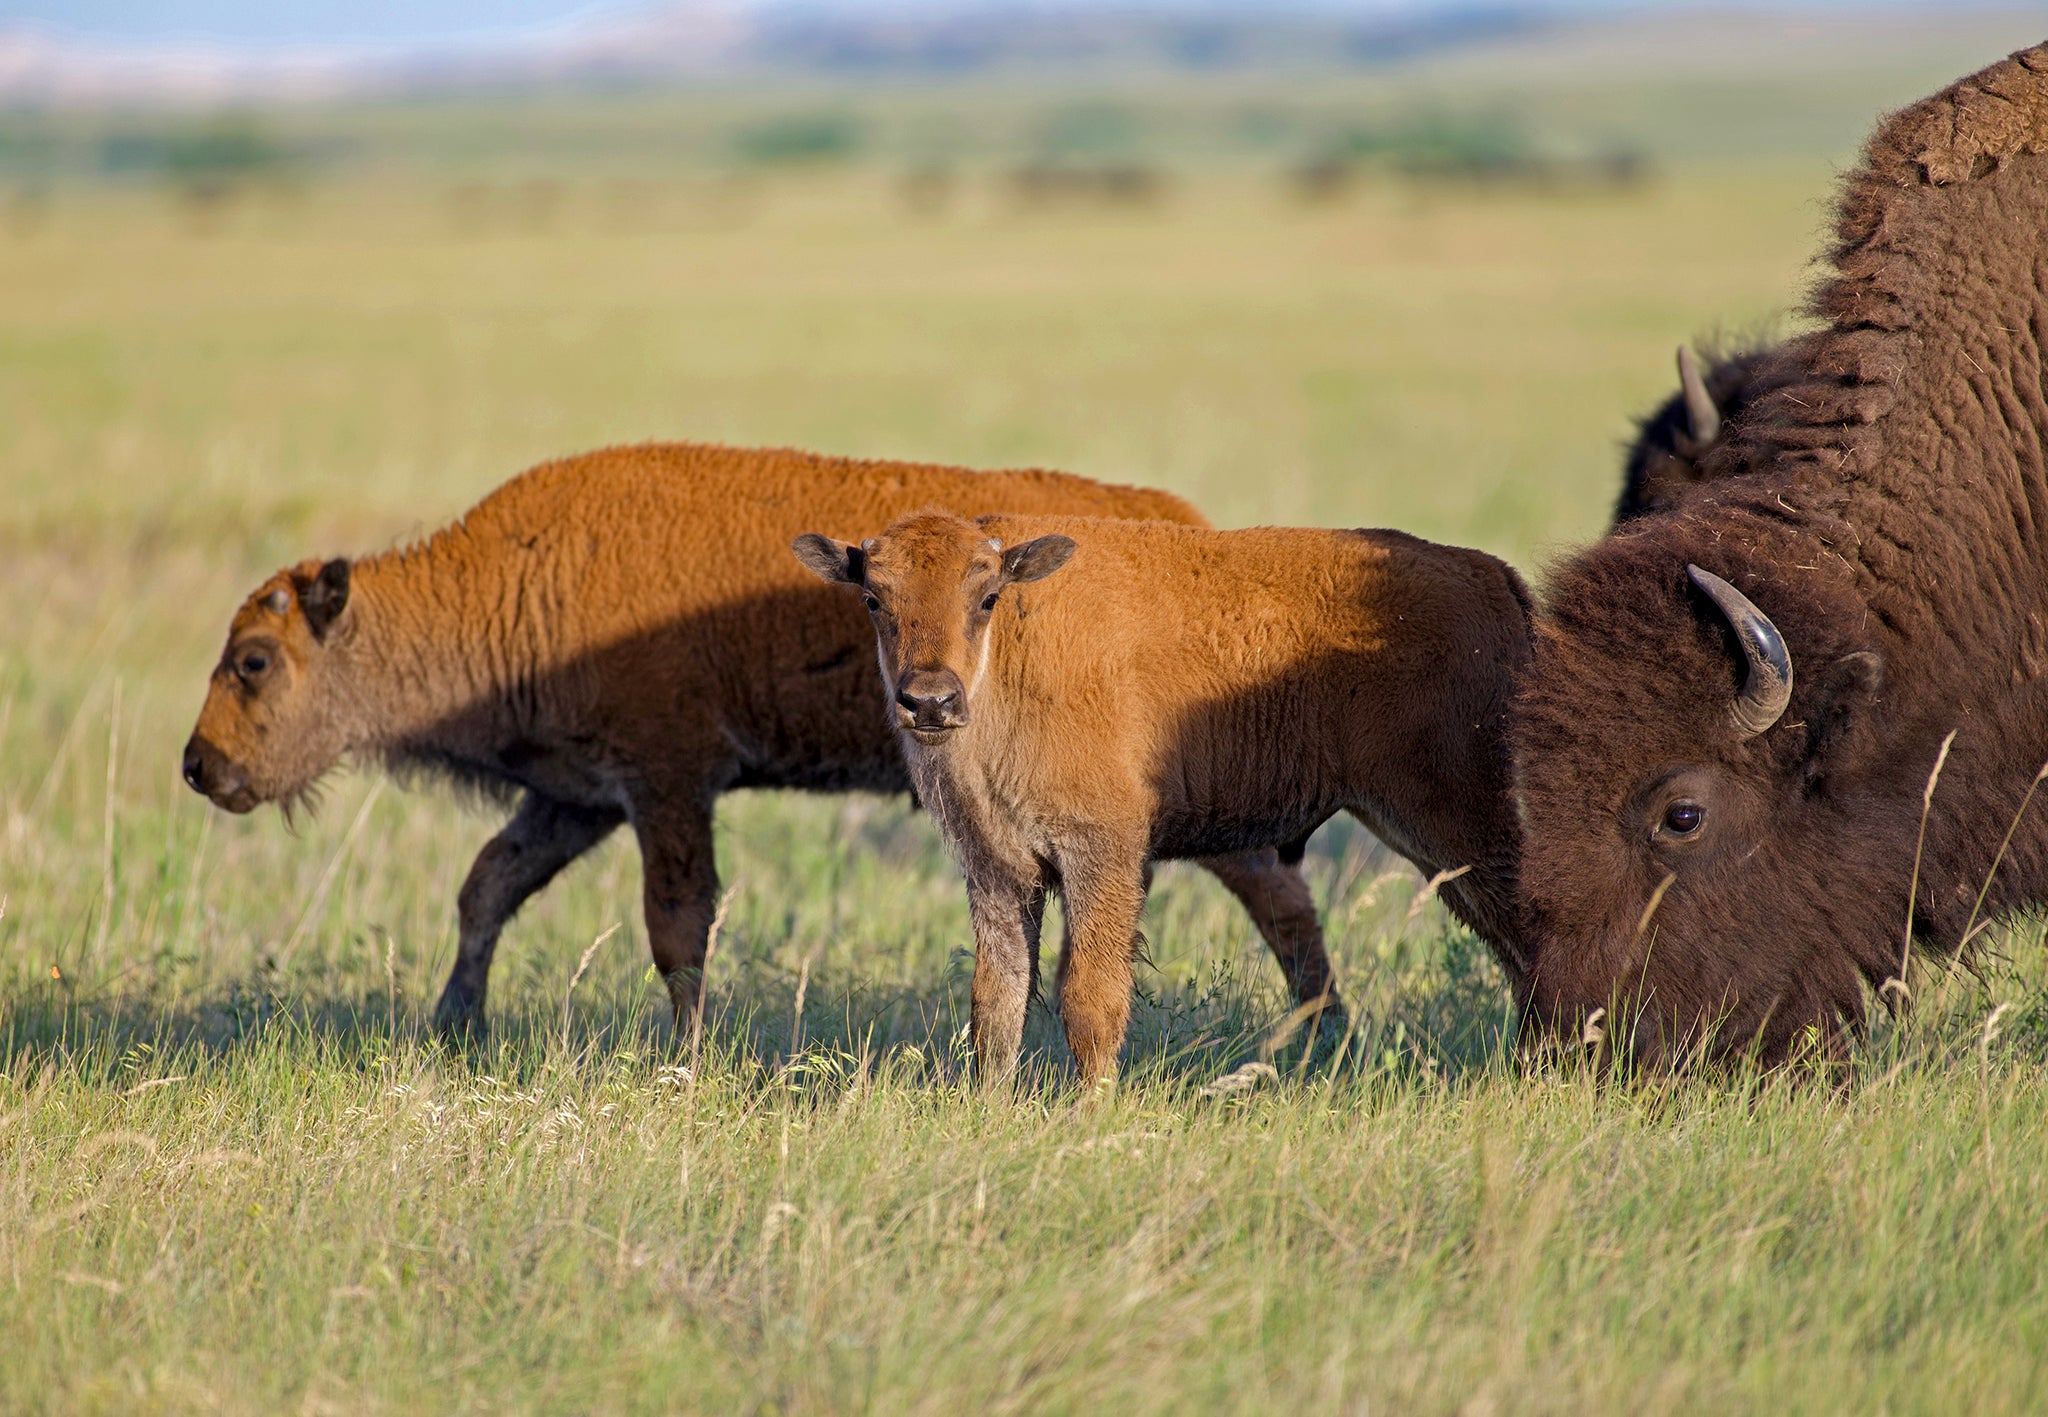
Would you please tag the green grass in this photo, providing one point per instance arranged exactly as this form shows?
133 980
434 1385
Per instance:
236 1173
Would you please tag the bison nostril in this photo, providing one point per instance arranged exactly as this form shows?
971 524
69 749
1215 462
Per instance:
932 700
194 772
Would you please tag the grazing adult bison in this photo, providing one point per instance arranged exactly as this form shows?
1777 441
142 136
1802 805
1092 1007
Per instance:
1735 708
619 638
1078 698
1667 461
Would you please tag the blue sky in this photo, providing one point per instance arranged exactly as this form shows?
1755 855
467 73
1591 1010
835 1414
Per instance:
280 23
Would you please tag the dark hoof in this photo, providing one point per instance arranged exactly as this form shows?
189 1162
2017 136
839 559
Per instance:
1334 1018
459 1016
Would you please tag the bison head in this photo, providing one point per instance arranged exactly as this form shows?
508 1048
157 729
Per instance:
931 583
270 727
1719 832
1668 460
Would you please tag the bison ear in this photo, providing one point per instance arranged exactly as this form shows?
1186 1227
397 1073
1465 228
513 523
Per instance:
1835 735
323 596
830 560
1036 559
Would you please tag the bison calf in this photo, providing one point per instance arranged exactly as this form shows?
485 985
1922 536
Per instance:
618 637
1178 692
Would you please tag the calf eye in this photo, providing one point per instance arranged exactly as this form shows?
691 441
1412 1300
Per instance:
988 602
874 606
253 664
1684 817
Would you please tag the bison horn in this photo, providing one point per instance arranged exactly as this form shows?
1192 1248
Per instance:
1768 689
1699 407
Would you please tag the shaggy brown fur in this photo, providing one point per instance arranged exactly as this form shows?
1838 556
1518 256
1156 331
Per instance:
1667 460
1883 502
1175 692
619 637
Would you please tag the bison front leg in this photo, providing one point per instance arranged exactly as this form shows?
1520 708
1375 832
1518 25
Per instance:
680 897
1007 913
1104 897
542 837
1278 900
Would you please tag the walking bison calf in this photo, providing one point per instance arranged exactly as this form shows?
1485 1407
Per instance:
1078 698
1728 739
619 638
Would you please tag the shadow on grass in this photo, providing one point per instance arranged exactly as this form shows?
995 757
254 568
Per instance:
773 1030
770 1025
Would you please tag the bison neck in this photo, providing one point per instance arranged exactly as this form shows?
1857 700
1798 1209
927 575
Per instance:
1905 437
446 667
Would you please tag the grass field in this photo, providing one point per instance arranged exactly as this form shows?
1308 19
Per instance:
237 1174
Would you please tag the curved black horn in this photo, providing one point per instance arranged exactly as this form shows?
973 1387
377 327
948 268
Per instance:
1768 689
1699 406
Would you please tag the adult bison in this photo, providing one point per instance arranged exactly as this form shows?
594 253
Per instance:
1176 691
1667 461
1735 707
621 637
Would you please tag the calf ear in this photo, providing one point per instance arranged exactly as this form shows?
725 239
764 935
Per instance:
323 596
830 560
1835 726
1035 560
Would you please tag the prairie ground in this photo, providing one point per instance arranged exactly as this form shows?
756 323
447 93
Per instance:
238 1174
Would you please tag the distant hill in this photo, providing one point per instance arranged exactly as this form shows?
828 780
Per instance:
695 41
705 39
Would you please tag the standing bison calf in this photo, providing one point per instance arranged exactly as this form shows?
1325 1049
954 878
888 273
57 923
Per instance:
619 637
1177 692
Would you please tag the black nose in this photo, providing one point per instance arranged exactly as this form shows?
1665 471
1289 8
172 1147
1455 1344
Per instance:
932 699
929 705
195 767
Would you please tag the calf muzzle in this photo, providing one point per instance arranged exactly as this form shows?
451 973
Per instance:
931 703
207 771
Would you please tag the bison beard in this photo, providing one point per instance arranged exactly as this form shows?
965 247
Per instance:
1722 882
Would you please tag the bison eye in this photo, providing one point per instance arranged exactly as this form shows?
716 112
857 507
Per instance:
253 664
874 606
1684 817
988 602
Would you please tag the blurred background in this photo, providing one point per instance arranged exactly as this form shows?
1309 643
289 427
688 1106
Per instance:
293 274
286 268
287 279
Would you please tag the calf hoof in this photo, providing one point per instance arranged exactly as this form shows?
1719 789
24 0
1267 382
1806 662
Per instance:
1097 1091
459 1016
1333 1018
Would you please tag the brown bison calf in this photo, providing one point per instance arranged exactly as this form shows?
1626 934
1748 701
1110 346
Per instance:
1177 692
619 637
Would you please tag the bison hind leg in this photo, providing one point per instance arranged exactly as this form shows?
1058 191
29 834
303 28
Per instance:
1276 896
680 897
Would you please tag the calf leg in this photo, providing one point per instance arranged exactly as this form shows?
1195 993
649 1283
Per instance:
543 836
1007 914
1059 978
1105 898
680 896
1278 900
